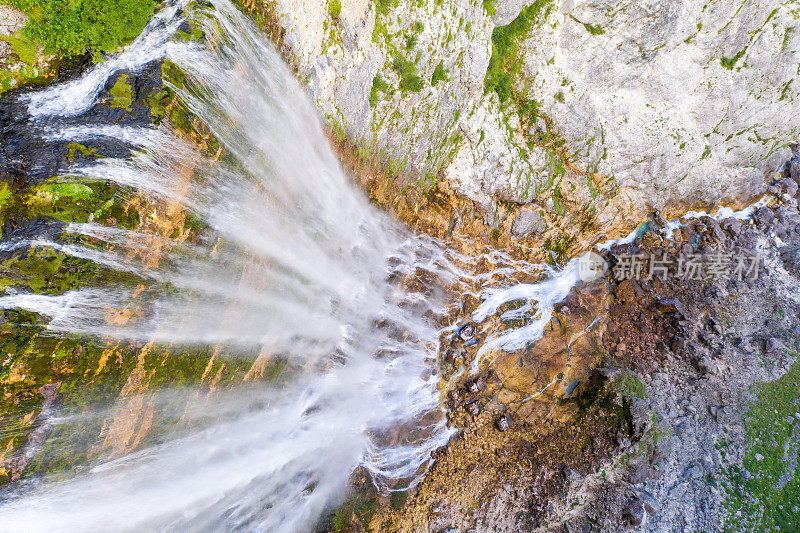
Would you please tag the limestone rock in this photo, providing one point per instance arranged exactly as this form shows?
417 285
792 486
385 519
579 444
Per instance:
529 222
678 101
11 21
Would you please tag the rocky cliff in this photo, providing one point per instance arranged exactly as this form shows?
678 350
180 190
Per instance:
679 103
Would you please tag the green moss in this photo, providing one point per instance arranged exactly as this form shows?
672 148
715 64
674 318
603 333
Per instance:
6 196
76 202
73 148
438 74
504 62
593 30
559 96
122 93
74 27
359 507
335 9
489 6
729 63
378 86
632 386
47 194
158 102
407 70
766 497
44 270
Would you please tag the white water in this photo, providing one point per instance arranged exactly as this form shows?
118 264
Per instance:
299 266
557 285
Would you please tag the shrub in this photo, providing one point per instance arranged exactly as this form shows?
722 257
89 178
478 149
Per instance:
438 74
407 70
335 9
74 27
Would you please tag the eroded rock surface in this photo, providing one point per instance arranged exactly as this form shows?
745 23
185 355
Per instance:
656 434
680 102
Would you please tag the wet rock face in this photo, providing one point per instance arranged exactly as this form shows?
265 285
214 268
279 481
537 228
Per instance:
660 377
557 366
29 160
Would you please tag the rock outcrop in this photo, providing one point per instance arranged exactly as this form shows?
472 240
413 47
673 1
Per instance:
679 102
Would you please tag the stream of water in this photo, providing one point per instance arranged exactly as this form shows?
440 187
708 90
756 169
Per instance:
297 264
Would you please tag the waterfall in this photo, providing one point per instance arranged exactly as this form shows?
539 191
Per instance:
295 263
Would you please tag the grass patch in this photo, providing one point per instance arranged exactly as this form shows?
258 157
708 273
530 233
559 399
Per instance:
379 85
729 63
505 62
22 46
593 30
409 77
74 27
438 74
765 494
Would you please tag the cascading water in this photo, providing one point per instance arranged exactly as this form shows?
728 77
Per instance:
296 265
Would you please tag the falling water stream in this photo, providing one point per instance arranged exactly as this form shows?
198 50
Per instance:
295 263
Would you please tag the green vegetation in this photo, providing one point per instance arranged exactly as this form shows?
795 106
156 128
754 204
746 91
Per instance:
729 63
787 37
378 85
489 6
122 93
631 386
594 30
438 74
559 248
74 27
5 195
45 271
409 77
359 508
335 9
76 202
23 46
73 148
382 7
505 61
765 494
